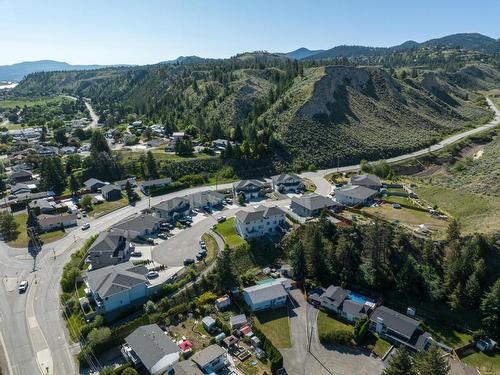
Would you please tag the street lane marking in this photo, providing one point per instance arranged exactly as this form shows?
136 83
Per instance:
32 322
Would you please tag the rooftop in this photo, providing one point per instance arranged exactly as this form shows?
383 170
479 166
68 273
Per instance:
356 191
265 292
259 214
314 201
207 355
395 321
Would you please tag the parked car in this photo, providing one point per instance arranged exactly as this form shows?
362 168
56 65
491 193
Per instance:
229 200
152 275
396 205
188 261
188 218
201 242
135 253
163 236
23 286
85 226
78 216
221 219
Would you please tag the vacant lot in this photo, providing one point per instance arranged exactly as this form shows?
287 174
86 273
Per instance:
12 103
476 213
22 239
227 231
274 324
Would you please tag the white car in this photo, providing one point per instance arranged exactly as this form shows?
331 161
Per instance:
85 226
152 274
23 285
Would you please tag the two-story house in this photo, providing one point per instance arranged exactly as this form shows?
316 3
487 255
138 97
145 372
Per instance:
261 222
211 359
108 249
250 189
287 183
172 209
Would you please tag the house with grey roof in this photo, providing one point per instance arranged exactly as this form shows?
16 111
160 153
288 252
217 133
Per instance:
172 209
367 180
150 347
123 183
211 359
399 328
53 222
287 183
111 192
117 286
263 221
93 184
43 206
206 200
21 188
352 195
108 249
341 302
265 296
147 186
187 368
21 176
311 205
251 189
138 225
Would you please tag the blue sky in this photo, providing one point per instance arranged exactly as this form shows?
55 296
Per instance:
148 31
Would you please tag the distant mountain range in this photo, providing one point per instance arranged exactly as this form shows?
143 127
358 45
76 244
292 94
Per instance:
470 41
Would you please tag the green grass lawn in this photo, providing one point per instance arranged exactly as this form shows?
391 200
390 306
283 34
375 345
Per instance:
475 212
381 346
228 233
327 323
445 334
487 364
75 323
274 324
161 155
254 366
107 207
22 239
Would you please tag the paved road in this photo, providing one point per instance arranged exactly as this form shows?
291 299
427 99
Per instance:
32 331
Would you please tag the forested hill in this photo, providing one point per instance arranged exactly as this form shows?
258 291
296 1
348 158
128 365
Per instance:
290 111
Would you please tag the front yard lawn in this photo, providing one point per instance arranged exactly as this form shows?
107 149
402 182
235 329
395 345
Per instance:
22 239
381 346
327 323
274 324
487 364
106 207
446 334
227 231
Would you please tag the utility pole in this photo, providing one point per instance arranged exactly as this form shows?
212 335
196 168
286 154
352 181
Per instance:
37 244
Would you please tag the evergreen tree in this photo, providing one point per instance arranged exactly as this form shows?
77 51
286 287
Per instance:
490 310
98 142
8 226
74 184
225 276
32 221
238 133
151 166
453 232
431 362
400 364
298 261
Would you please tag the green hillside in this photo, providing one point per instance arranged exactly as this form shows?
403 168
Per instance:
288 111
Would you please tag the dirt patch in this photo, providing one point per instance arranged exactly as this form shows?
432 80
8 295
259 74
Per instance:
430 171
470 151
478 154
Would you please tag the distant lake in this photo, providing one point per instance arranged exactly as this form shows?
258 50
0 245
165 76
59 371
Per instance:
7 85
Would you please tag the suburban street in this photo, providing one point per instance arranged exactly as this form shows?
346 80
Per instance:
33 334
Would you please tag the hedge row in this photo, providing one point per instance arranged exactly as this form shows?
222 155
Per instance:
272 352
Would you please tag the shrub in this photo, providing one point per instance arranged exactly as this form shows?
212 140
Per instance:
336 336
206 298
98 336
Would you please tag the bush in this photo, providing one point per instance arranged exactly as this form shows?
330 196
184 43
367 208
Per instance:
98 336
337 336
206 298
360 333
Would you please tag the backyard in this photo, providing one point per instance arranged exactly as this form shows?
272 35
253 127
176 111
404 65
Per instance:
446 335
193 330
22 239
227 231
274 324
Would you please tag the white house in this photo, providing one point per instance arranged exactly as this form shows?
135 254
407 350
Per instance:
265 296
263 221
117 286
352 195
150 346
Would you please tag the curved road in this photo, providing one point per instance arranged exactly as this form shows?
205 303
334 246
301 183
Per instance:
32 331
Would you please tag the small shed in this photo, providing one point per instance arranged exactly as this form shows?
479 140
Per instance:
238 321
229 341
259 353
222 302
255 341
208 323
221 336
